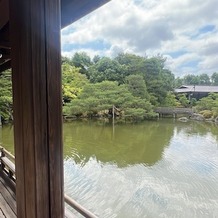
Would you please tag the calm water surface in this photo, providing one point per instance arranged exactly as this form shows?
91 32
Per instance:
152 169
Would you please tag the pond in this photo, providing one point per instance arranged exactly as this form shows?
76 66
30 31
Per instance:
152 169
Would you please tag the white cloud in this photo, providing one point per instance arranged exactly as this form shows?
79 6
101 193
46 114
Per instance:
208 65
209 47
90 52
151 27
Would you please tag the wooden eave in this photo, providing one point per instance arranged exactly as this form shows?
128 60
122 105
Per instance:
71 11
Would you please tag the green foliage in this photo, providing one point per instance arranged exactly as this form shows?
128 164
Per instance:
133 84
6 96
214 79
184 102
65 60
134 64
103 96
96 58
178 82
72 82
158 80
191 80
170 100
202 79
193 102
215 111
209 103
157 88
81 60
136 85
135 113
107 69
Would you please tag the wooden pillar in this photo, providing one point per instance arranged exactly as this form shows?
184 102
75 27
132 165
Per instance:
36 79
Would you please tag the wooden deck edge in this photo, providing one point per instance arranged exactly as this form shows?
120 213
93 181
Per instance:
8 198
5 208
8 183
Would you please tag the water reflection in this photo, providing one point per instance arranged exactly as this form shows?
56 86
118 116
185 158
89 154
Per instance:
7 137
198 128
127 144
152 169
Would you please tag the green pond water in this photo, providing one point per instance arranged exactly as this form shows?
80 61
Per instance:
152 169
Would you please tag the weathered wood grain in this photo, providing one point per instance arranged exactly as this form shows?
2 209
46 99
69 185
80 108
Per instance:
36 80
7 201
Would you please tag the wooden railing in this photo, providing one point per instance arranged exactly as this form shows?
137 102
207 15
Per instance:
7 163
80 209
8 167
173 110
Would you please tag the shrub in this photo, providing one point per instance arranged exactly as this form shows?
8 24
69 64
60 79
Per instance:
206 114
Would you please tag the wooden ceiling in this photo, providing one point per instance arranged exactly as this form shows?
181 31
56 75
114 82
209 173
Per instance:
71 10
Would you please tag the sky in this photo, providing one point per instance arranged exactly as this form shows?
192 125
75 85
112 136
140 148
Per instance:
183 31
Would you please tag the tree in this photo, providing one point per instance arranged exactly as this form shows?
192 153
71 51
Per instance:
208 103
214 79
169 79
96 58
136 85
66 60
72 82
178 82
134 64
204 79
107 69
191 80
170 100
6 96
158 80
183 100
102 96
81 60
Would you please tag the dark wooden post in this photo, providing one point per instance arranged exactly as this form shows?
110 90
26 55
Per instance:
36 77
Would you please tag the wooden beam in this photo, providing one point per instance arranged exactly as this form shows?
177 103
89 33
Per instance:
4 12
72 10
36 80
4 33
5 44
5 66
2 61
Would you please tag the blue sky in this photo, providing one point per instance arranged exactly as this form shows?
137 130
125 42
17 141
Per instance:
183 31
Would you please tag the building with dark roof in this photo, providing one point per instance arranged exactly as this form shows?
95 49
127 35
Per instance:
196 91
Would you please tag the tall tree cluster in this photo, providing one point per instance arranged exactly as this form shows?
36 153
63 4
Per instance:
202 79
158 80
132 84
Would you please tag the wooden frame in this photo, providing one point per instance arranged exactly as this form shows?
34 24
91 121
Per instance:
36 80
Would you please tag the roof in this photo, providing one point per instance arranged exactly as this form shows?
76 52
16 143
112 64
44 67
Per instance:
196 88
71 10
